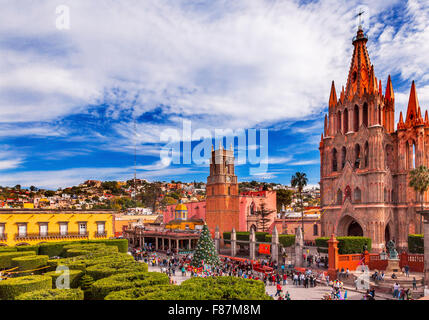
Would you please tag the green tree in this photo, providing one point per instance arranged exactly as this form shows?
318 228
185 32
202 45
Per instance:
284 197
419 181
299 180
205 250
264 214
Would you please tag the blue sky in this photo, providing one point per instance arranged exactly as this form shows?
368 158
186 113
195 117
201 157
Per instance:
68 97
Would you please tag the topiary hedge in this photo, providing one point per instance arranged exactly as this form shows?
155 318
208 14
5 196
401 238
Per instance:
76 252
53 294
29 262
13 287
6 258
34 248
286 240
219 288
104 270
7 249
74 276
101 288
346 245
121 244
415 243
52 249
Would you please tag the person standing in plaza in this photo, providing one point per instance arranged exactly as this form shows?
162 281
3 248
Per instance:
396 288
279 290
414 283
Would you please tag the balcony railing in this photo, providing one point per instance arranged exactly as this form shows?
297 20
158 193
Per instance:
38 236
100 234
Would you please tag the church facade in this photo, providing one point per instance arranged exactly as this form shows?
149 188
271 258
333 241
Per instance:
365 161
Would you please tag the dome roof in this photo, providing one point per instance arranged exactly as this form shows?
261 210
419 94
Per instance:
181 207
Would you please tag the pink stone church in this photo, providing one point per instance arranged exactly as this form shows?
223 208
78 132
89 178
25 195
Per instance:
365 162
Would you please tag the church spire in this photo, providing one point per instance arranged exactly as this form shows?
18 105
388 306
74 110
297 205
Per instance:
372 82
413 105
332 96
360 66
401 124
342 95
389 95
426 119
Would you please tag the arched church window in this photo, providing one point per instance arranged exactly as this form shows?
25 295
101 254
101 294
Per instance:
357 195
365 114
386 195
366 152
334 160
348 193
414 156
339 122
252 208
356 119
315 230
343 157
357 156
346 121
339 197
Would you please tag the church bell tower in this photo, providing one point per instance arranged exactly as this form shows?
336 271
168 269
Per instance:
222 199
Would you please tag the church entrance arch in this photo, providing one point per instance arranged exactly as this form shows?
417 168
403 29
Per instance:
349 227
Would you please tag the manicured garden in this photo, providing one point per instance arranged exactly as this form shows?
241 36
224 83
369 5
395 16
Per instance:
100 270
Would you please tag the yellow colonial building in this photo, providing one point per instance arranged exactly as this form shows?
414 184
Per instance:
181 221
34 226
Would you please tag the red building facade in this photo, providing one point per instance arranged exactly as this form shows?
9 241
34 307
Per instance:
365 162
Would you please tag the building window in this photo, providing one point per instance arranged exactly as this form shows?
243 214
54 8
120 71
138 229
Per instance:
357 156
100 228
229 190
357 195
43 229
22 230
315 230
334 160
366 152
339 197
82 228
63 228
2 230
343 157
356 119
365 114
346 121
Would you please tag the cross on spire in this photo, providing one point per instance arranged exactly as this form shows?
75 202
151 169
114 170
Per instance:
360 13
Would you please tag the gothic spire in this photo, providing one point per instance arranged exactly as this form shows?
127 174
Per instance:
332 96
413 105
401 124
389 95
360 66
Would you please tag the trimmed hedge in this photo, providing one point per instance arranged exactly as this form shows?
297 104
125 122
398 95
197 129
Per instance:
101 288
8 249
346 245
219 288
74 276
34 248
13 287
286 240
52 294
57 248
104 270
416 243
52 249
6 258
76 252
29 262
121 244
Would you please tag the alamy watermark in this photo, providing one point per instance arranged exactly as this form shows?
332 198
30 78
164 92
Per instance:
189 146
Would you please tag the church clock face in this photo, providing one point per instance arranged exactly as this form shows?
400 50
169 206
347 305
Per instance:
228 179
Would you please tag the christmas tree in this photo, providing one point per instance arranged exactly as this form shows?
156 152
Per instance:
205 252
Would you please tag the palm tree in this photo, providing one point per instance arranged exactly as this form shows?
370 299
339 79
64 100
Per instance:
419 181
299 180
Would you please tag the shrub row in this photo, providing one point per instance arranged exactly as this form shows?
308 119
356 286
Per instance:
346 245
101 288
13 287
99 271
219 288
6 258
245 236
27 263
57 248
415 243
52 294
74 276
286 240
